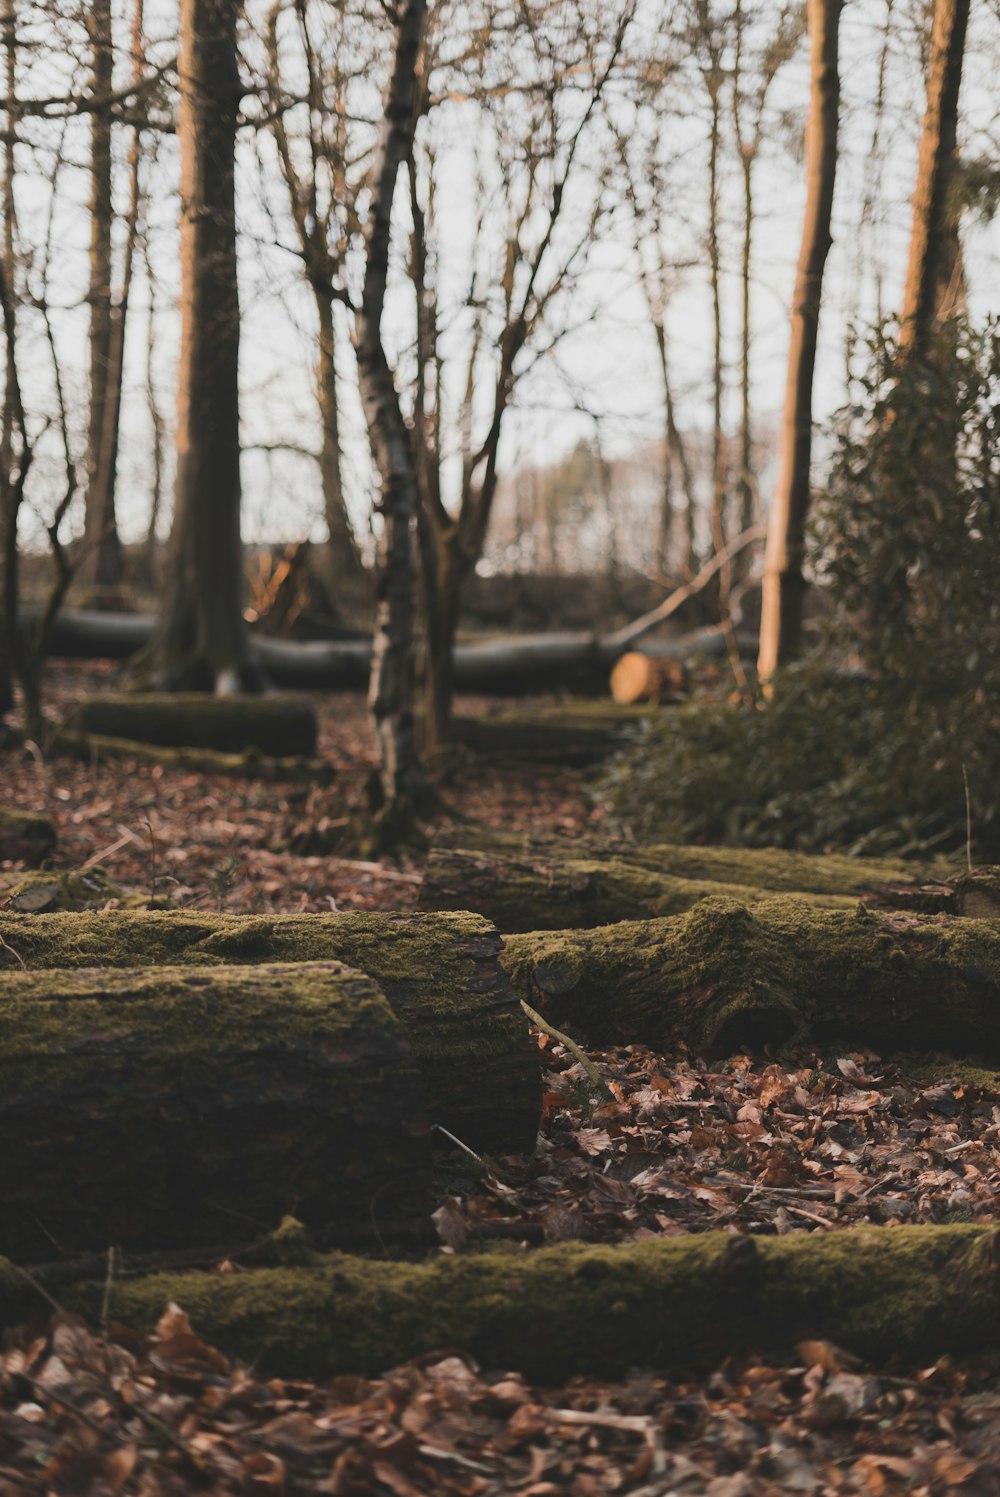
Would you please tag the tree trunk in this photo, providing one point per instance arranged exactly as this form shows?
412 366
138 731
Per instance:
230 725
931 265
102 562
172 1107
391 693
879 1292
440 973
784 585
202 639
560 893
443 577
345 561
724 978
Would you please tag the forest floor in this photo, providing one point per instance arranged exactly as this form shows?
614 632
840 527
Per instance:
805 1142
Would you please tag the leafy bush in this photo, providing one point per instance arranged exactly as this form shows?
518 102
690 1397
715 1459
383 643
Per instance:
907 545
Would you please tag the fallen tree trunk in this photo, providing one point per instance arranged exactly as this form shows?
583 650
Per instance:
916 1292
228 725
92 748
776 869
638 677
562 733
724 978
563 892
26 836
440 973
175 1106
521 663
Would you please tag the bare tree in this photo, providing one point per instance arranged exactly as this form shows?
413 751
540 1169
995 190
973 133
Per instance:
782 607
391 693
202 640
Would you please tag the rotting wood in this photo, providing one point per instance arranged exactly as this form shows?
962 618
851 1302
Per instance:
725 977
174 1106
440 973
916 1292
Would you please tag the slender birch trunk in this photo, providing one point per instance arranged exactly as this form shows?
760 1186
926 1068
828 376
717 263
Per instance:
934 250
391 693
783 590
8 519
202 638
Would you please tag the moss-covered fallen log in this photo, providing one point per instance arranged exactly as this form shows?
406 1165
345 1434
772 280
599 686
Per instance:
251 764
557 893
554 1312
774 869
570 732
281 726
46 890
724 977
178 1106
26 836
441 973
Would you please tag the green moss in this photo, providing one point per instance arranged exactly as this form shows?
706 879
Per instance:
728 976
250 764
562 892
573 1309
64 890
439 972
176 1106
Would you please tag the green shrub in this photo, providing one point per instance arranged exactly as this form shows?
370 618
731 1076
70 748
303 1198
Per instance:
869 744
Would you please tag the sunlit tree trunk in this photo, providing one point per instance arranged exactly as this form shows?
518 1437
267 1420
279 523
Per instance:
202 639
102 566
782 606
8 520
934 263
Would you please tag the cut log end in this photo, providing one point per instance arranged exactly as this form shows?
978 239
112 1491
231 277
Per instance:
643 678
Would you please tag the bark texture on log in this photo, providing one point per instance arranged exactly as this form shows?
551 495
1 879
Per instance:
554 1312
440 973
559 893
227 724
775 869
724 978
26 836
176 1106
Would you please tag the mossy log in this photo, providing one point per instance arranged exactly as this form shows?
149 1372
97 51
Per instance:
172 1106
280 726
26 836
572 732
557 893
251 764
724 978
774 869
918 1292
441 973
45 891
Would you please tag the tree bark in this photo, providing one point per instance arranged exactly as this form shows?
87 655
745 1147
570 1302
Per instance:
784 585
171 1107
229 725
932 259
345 561
440 973
878 1292
102 562
724 978
391 693
559 893
202 639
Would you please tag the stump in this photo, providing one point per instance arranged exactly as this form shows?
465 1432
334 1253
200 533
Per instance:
176 1106
284 727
